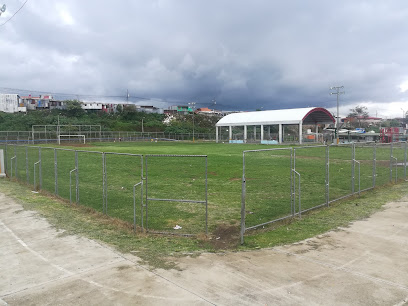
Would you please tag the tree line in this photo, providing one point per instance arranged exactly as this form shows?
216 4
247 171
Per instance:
126 118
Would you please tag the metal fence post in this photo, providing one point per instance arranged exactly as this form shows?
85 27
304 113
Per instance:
300 199
374 164
391 147
405 161
206 195
5 159
146 194
76 178
294 192
56 171
27 175
327 176
103 183
353 155
40 167
141 192
35 176
70 185
15 162
134 207
359 171
106 185
243 194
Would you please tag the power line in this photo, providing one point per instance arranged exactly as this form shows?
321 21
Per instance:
70 94
84 96
14 14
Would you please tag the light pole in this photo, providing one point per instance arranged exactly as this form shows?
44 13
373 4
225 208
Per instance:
193 107
142 125
337 93
403 114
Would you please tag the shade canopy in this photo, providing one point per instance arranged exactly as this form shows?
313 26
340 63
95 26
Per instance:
310 115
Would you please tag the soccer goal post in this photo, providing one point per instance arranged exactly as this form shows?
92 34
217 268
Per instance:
69 137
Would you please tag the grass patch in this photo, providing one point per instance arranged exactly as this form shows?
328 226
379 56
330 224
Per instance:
161 251
268 179
339 214
79 220
182 178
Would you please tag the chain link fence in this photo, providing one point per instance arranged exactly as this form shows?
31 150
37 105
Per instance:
169 193
134 188
283 183
41 137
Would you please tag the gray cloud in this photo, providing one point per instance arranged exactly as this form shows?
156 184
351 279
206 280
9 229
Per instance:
246 55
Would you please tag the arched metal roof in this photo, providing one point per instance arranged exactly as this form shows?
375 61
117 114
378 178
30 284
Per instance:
310 115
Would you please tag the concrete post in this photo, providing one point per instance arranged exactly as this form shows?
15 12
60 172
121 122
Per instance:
245 134
280 133
300 132
269 132
262 132
317 132
230 132
216 134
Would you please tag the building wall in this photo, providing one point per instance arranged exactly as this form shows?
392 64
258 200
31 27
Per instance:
9 103
91 106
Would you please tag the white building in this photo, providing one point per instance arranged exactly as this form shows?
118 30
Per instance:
11 103
91 106
263 121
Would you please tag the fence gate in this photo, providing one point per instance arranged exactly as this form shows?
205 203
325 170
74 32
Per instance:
268 187
121 175
176 194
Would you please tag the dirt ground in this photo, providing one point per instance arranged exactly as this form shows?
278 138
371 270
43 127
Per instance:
364 264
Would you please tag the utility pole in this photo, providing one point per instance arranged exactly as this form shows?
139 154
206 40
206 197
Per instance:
127 96
337 93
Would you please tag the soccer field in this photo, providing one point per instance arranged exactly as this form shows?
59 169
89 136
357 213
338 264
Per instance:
182 178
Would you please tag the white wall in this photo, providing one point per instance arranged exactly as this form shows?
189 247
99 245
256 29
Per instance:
9 103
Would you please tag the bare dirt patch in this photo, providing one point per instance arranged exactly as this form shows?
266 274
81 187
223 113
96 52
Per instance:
225 237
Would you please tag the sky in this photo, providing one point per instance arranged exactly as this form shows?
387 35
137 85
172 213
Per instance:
244 55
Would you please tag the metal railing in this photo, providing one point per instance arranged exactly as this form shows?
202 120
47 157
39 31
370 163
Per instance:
107 181
40 137
260 207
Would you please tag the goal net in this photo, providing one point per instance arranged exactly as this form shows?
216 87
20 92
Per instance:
71 138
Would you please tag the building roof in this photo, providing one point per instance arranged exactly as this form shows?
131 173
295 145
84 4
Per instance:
203 109
310 115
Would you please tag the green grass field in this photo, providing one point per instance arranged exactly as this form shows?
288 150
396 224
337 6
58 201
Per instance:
268 178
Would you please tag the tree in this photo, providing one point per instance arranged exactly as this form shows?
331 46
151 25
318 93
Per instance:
358 112
74 108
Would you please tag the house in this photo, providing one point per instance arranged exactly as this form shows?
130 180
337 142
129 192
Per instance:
40 102
11 103
361 120
179 109
207 111
91 106
109 108
54 104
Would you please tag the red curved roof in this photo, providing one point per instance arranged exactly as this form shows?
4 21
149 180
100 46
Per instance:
318 115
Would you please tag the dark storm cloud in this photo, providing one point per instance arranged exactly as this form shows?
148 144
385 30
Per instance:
246 55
